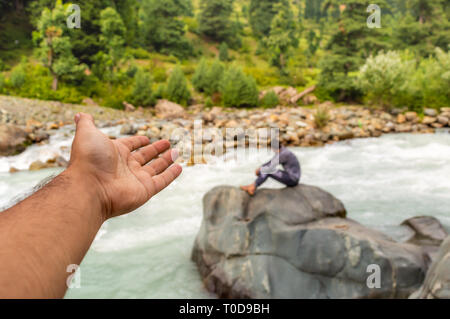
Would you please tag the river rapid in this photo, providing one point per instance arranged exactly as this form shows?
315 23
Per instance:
146 254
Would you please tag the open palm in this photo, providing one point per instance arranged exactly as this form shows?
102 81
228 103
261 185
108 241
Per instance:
121 167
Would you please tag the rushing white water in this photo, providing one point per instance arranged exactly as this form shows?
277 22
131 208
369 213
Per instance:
147 254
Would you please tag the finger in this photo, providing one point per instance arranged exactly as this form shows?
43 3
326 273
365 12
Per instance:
146 154
83 120
135 142
163 180
161 164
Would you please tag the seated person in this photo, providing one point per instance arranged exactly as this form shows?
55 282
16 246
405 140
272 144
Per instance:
290 176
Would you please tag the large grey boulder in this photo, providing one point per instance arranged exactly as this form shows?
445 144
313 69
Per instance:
296 243
437 281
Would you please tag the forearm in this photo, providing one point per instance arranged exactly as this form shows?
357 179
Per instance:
45 233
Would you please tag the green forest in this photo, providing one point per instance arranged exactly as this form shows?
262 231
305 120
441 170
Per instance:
224 52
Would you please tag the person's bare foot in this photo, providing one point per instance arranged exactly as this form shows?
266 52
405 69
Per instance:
250 189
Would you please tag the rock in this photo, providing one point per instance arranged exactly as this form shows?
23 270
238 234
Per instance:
443 120
430 112
297 97
128 129
401 119
296 243
128 107
411 116
37 166
169 110
310 99
403 128
89 102
13 170
427 120
427 231
437 281
13 140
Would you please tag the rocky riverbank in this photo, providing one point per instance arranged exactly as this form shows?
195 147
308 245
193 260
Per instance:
24 122
298 243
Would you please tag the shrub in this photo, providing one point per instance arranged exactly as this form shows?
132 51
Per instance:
142 90
160 92
2 81
177 87
209 103
270 100
214 77
238 89
383 78
321 117
199 79
223 52
159 74
18 76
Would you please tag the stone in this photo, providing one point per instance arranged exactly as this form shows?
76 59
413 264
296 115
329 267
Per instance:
168 110
297 243
442 120
430 112
411 116
427 230
128 129
128 107
89 102
437 281
401 119
13 139
427 120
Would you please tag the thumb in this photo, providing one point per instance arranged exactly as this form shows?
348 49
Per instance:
83 120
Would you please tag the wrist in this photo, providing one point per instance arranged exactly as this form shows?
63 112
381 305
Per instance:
89 190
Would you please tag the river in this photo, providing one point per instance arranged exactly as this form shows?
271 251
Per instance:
146 254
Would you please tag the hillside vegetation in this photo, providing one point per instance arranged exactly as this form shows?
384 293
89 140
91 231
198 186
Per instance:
224 52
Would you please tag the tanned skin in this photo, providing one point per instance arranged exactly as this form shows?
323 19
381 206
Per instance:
55 227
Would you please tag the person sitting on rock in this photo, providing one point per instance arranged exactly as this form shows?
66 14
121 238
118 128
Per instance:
290 176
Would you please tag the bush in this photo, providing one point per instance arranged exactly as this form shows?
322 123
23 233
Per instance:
432 79
177 87
238 89
142 90
214 77
223 52
160 92
321 117
159 74
18 76
209 103
270 100
199 79
2 81
383 78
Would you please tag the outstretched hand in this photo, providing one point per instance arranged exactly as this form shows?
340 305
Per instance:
126 172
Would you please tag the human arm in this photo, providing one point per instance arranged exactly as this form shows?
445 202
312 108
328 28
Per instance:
55 227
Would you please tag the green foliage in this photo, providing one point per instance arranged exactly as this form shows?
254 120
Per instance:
18 76
112 34
215 21
2 82
238 89
223 52
261 15
321 117
142 90
54 45
207 77
282 35
177 87
162 30
199 80
208 103
270 100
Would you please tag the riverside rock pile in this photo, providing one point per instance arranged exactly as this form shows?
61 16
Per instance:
297 125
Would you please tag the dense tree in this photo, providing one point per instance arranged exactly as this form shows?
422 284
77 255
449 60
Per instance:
349 45
199 79
215 20
261 15
223 52
161 29
54 44
112 34
282 36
